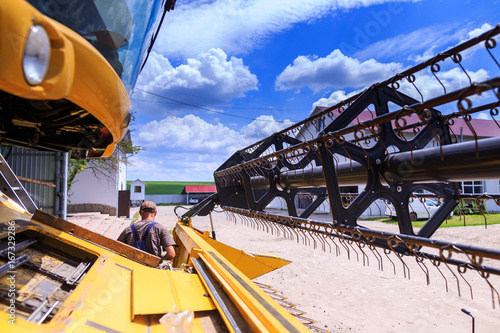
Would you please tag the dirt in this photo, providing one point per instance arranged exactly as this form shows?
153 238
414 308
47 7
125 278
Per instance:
353 292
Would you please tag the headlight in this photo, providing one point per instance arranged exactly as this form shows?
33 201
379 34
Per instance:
36 55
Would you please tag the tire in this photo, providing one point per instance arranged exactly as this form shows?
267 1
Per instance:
413 216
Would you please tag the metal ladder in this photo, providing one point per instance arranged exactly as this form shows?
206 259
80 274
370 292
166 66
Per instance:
11 187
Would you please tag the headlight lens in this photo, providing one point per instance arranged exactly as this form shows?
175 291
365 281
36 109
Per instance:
36 55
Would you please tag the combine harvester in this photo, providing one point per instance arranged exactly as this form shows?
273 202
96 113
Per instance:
66 71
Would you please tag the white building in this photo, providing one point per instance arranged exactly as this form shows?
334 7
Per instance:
98 191
137 191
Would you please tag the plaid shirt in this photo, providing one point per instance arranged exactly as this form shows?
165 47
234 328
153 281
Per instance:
157 238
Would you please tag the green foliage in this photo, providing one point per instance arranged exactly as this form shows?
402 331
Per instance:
167 187
103 168
74 168
455 221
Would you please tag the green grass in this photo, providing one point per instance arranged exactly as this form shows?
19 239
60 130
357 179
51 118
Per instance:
455 221
167 187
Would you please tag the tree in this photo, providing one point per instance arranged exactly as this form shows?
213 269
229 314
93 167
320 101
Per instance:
104 169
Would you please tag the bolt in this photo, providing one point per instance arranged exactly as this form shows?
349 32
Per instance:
378 161
399 189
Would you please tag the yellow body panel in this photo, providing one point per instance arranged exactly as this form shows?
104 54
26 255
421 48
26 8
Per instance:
10 210
157 291
103 299
251 264
98 91
258 309
119 294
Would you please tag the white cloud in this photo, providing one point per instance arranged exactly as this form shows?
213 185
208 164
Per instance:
333 71
238 26
263 127
410 43
335 97
479 31
452 80
191 148
209 74
188 134
427 84
484 116
191 134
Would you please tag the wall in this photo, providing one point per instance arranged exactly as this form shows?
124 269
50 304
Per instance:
88 189
167 198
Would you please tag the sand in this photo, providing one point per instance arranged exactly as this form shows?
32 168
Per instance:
354 295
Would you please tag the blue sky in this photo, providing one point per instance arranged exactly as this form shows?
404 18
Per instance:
226 73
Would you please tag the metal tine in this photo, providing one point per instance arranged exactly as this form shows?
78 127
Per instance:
329 236
423 267
308 228
321 239
461 271
361 245
305 238
477 264
292 229
436 264
342 241
360 240
337 248
435 68
395 241
447 266
377 256
490 43
349 242
420 261
325 239
313 231
262 224
485 276
257 224
405 266
387 252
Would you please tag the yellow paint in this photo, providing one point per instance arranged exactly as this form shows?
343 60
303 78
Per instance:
10 210
251 264
100 91
260 311
159 291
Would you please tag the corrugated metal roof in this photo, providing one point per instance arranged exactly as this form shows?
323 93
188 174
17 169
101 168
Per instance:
199 189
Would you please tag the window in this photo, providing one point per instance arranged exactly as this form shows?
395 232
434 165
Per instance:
475 187
137 189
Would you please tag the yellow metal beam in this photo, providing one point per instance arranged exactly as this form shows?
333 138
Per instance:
260 311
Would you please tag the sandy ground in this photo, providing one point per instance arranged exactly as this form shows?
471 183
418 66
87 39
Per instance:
347 295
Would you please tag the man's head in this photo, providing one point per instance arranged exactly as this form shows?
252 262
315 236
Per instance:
147 210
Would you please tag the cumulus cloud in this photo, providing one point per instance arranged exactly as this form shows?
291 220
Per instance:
334 98
238 26
452 80
210 73
333 71
263 127
191 148
191 134
427 85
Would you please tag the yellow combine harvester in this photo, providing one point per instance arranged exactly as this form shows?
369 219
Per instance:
66 71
